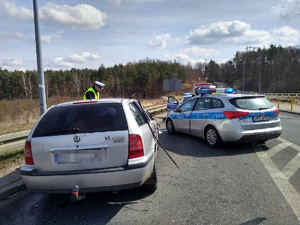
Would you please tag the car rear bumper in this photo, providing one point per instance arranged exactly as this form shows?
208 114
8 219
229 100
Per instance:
112 179
251 135
260 136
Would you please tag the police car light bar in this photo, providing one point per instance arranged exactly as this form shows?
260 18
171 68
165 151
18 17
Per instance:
230 90
203 91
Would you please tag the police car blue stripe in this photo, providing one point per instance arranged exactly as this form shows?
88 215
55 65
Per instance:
200 116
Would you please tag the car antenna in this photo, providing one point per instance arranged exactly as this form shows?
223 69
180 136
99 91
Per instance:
157 141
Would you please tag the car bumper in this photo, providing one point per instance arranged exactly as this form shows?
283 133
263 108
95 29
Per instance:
251 135
112 179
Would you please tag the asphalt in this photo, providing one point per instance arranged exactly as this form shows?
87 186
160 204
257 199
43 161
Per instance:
12 183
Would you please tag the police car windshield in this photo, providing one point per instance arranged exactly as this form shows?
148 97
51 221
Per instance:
251 103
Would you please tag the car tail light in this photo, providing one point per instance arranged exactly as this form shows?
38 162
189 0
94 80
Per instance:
235 114
28 153
276 111
135 146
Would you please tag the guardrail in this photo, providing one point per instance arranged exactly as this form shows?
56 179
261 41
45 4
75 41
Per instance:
17 140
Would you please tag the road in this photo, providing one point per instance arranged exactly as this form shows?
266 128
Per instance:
231 185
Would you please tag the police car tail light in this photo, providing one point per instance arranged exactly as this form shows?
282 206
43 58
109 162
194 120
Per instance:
136 148
28 153
235 114
276 111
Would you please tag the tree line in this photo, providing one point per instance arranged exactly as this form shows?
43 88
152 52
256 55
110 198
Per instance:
276 69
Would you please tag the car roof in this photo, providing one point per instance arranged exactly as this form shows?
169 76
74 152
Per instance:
229 96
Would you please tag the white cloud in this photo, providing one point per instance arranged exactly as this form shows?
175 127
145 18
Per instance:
287 9
13 10
81 16
159 41
14 36
49 37
22 37
187 55
73 60
286 34
204 52
119 2
227 32
12 62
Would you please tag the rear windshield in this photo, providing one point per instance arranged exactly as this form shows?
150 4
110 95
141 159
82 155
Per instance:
86 118
251 103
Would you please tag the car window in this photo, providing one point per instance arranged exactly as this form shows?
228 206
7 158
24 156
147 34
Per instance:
217 103
137 114
82 119
184 98
202 104
187 106
251 103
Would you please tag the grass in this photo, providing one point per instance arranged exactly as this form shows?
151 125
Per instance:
11 160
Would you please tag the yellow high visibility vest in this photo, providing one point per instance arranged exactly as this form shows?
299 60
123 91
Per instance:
95 93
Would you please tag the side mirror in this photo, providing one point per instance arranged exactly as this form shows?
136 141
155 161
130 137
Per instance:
178 110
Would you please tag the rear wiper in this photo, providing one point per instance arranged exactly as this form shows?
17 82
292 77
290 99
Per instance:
263 108
67 131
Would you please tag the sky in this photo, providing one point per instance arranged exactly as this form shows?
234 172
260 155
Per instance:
90 33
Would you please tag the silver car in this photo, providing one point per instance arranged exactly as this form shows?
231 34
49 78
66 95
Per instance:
221 118
97 145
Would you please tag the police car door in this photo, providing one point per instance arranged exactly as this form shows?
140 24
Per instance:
200 116
182 116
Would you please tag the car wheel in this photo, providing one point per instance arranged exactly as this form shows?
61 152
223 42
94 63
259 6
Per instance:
170 127
212 136
151 184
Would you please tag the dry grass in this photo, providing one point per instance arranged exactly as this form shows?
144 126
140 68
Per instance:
10 161
21 114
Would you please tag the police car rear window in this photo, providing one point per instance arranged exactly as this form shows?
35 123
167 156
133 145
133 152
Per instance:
86 118
251 103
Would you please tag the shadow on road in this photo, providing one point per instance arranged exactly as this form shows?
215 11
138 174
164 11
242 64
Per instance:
188 145
97 208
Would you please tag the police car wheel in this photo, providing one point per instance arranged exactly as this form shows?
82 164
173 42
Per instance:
212 136
170 127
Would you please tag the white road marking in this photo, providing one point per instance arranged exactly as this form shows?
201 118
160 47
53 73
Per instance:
282 178
290 144
278 148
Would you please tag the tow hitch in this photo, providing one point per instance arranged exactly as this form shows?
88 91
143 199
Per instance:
75 197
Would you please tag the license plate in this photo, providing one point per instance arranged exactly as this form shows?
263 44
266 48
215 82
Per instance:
70 157
261 118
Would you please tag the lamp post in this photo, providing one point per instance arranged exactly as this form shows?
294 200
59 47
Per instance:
42 95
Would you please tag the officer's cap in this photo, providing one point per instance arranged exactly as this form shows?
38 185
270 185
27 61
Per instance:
99 84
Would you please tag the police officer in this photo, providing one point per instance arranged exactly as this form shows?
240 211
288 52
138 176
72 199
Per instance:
93 92
197 89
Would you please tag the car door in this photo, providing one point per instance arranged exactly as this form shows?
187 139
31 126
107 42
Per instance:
172 103
200 115
207 111
181 117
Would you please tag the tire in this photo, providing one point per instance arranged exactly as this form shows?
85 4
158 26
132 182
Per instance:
212 137
170 126
151 184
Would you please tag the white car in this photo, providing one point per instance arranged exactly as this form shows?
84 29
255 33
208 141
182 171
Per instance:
221 118
97 145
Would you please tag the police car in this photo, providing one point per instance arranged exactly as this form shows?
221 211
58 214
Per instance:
226 118
173 103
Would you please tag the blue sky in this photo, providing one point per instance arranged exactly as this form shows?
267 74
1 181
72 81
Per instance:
86 34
